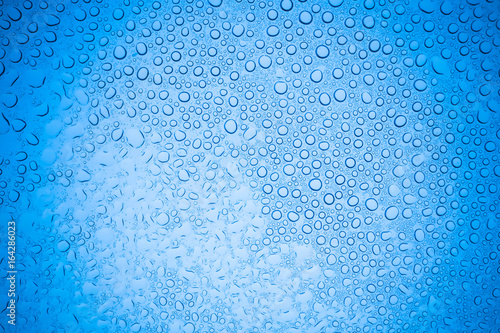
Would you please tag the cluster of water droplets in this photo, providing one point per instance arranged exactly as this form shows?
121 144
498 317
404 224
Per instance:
220 166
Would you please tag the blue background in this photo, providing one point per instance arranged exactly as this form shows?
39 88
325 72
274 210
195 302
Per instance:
246 166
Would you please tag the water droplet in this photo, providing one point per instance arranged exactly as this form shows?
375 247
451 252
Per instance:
280 87
322 51
371 204
315 184
230 126
391 213
305 17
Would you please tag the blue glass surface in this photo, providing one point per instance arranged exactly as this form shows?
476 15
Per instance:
250 166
